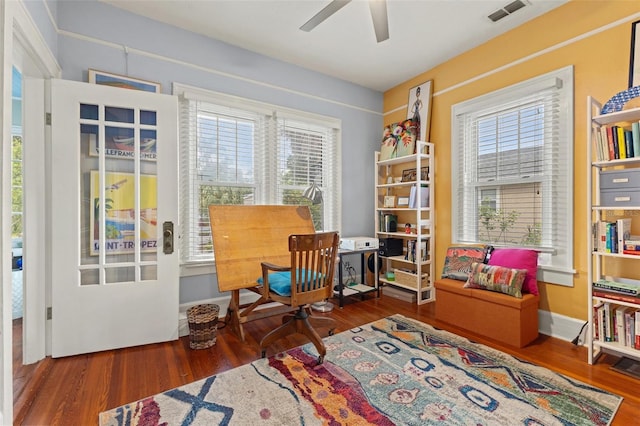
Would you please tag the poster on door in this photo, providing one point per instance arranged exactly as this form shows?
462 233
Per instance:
119 207
120 143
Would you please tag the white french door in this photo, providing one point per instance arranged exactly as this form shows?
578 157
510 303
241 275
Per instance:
114 183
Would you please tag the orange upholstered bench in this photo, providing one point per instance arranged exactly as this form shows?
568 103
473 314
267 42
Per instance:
498 316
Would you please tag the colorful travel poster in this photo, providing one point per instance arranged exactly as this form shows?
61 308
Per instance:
120 212
120 143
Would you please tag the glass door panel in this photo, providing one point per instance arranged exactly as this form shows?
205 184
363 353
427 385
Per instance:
119 192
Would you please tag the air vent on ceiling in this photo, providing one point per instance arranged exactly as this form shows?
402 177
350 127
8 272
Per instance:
507 10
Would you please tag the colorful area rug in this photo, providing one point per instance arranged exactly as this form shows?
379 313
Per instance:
392 371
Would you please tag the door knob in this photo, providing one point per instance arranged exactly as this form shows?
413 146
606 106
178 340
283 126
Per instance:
167 237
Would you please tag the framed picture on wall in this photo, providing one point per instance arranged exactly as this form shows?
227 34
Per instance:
419 107
116 80
634 60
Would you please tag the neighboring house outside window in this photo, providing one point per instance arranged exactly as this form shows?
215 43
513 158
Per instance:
238 151
512 171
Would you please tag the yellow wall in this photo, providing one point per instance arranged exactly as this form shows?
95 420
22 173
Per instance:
594 37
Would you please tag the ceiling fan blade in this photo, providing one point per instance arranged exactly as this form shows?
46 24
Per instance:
327 11
380 21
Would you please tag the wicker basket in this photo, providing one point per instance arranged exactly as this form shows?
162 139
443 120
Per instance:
410 280
203 324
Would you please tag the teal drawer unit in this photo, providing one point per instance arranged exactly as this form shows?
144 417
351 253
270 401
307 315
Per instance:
620 188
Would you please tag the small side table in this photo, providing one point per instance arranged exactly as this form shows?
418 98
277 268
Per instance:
361 288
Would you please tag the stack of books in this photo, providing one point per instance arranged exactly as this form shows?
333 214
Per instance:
631 245
620 289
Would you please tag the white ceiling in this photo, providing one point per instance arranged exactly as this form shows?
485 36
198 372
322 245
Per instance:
423 33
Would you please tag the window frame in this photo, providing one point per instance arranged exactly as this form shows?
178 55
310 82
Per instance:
555 266
267 188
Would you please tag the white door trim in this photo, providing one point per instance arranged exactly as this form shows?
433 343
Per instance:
35 198
19 35
6 374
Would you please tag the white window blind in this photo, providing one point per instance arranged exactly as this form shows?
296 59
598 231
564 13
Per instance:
512 169
237 151
307 155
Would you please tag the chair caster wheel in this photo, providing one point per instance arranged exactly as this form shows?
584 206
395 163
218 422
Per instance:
264 354
320 359
332 332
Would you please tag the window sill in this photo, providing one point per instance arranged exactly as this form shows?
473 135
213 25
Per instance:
555 275
197 268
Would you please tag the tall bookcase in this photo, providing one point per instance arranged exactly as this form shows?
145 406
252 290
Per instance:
404 192
613 192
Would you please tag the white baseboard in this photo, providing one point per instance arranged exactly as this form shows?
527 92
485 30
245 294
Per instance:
549 323
560 326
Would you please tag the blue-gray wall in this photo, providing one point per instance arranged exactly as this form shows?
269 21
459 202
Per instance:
91 34
43 14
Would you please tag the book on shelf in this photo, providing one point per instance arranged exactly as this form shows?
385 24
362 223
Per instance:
597 323
608 322
389 223
599 146
618 321
628 141
612 135
600 316
618 286
630 327
607 137
635 136
637 331
621 143
611 237
623 232
423 197
620 297
631 252
603 236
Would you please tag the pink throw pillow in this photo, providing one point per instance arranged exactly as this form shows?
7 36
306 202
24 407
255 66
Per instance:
519 259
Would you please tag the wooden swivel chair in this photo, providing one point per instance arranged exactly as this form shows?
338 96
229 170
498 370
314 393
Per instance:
308 279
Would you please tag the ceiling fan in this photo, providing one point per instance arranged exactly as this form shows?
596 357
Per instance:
378 15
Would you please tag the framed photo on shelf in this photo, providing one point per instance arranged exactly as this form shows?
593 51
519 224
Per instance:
116 80
409 175
634 61
424 173
403 201
389 201
419 108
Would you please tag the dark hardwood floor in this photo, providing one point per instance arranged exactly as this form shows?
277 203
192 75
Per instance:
74 390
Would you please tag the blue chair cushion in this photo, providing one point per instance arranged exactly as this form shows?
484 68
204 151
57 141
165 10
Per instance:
280 282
